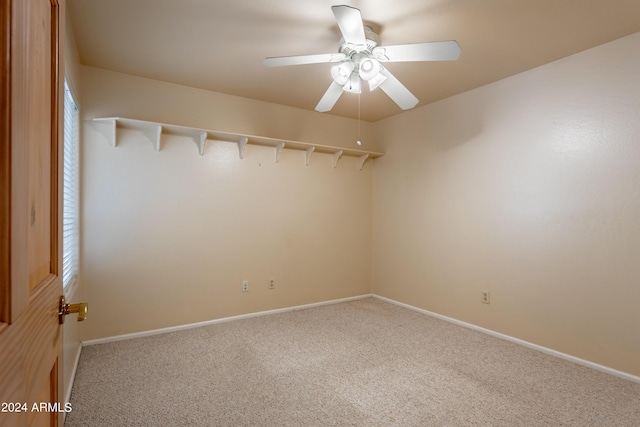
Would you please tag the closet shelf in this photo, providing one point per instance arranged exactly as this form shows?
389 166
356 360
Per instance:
153 131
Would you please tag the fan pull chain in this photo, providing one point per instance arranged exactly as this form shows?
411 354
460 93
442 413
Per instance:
358 141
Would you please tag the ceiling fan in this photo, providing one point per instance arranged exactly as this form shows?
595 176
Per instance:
360 57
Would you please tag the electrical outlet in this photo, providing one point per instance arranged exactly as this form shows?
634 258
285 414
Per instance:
486 297
272 284
245 286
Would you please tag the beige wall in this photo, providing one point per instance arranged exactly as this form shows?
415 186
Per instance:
169 236
527 187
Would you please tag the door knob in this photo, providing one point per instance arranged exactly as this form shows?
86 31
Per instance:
64 309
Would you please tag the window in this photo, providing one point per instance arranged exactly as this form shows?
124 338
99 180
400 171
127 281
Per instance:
70 235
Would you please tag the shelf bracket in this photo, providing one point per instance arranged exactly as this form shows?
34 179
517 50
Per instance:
107 127
241 146
153 132
279 148
201 139
361 161
308 155
336 157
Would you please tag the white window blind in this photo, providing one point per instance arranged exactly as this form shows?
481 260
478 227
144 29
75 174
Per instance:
70 235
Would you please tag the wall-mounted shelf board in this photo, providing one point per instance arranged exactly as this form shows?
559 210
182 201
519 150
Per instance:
154 131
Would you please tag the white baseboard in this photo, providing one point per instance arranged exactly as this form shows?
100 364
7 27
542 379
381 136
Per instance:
524 343
67 394
214 321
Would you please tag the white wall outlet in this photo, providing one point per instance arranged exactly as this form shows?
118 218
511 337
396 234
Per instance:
486 297
271 284
245 286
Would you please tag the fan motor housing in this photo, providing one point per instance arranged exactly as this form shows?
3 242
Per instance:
372 38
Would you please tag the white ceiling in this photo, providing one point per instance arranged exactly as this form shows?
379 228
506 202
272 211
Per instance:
219 45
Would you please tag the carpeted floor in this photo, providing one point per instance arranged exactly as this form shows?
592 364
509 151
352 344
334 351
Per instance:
360 363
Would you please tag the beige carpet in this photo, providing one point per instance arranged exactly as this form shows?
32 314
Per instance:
360 363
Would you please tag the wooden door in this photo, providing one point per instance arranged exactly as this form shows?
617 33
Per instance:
30 213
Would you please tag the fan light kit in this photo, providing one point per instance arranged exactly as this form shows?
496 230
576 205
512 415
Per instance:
360 58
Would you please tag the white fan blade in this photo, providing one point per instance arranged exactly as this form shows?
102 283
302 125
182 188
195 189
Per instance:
430 51
350 23
396 91
329 98
281 61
